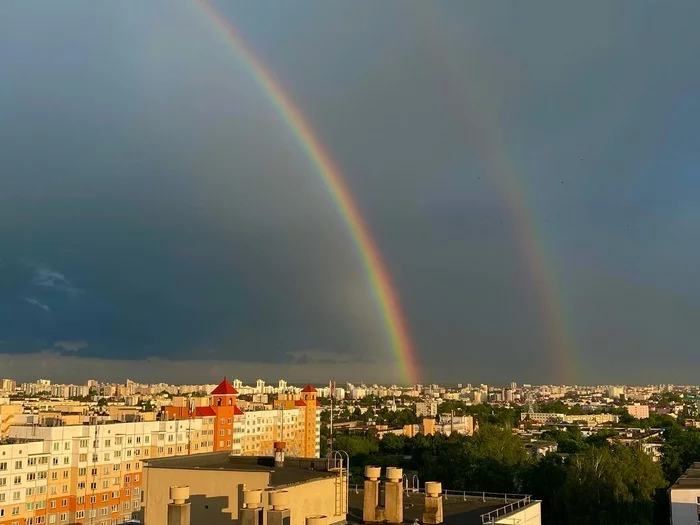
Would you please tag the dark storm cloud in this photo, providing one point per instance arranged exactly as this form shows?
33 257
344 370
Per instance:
142 165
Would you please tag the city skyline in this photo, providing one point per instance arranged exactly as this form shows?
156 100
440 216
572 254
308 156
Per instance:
530 191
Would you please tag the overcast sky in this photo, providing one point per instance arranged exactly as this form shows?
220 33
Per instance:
159 221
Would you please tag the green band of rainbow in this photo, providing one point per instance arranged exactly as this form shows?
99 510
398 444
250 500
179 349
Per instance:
377 275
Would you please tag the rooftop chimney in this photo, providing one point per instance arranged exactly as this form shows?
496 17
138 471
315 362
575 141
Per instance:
279 453
252 511
393 495
179 509
371 498
279 515
432 514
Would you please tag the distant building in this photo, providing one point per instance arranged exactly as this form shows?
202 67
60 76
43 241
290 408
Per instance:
638 411
426 408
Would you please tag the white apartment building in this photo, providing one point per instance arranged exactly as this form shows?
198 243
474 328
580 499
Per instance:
685 497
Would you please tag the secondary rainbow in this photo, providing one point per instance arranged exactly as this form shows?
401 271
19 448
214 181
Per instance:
377 274
481 122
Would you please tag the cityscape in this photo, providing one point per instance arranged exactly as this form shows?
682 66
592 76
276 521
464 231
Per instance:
399 262
83 453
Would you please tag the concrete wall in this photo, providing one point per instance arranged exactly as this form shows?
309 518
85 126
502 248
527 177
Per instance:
215 495
684 506
530 515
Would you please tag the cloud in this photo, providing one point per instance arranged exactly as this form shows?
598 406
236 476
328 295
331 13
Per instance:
36 302
71 346
48 278
73 369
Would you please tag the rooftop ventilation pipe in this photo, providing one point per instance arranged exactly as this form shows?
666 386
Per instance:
252 512
279 453
432 515
393 495
279 514
179 509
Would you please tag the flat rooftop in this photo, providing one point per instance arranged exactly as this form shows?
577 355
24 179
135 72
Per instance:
690 478
457 510
294 471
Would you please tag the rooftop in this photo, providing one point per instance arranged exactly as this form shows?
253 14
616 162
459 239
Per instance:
690 478
459 508
294 471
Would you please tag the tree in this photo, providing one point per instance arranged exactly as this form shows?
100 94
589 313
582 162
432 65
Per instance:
392 444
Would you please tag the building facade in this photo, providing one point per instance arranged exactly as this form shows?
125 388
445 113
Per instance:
88 473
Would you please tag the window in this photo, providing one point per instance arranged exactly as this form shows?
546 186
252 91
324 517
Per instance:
54 461
56 446
63 517
18 465
93 499
52 518
83 443
3 482
80 514
82 471
53 504
82 457
105 496
64 502
3 465
105 484
17 480
32 461
81 500
94 472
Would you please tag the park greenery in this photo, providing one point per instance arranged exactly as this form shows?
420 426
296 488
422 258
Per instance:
593 480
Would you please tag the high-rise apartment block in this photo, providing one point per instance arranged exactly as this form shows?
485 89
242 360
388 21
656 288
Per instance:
59 474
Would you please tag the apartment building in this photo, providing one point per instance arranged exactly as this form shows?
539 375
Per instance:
23 481
89 473
294 419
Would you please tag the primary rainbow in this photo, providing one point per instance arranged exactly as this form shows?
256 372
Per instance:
377 274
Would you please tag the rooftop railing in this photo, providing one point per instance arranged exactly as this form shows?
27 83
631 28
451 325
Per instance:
512 502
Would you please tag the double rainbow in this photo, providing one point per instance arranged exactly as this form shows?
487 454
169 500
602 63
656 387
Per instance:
377 274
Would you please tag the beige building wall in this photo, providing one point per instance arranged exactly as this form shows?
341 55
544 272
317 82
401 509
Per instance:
530 515
7 418
220 491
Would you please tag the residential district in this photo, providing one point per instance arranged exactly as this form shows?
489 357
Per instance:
103 453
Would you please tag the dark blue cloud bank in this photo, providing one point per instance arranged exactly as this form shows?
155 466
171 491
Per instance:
153 205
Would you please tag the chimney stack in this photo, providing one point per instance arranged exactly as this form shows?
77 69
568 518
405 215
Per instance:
179 509
279 453
279 515
252 511
393 495
433 503
371 498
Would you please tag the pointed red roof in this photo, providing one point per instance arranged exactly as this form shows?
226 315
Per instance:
224 389
205 412
299 403
308 388
237 411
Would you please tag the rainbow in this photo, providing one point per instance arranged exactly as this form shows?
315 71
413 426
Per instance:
481 124
377 275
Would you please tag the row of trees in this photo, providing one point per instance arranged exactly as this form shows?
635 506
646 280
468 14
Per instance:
597 481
